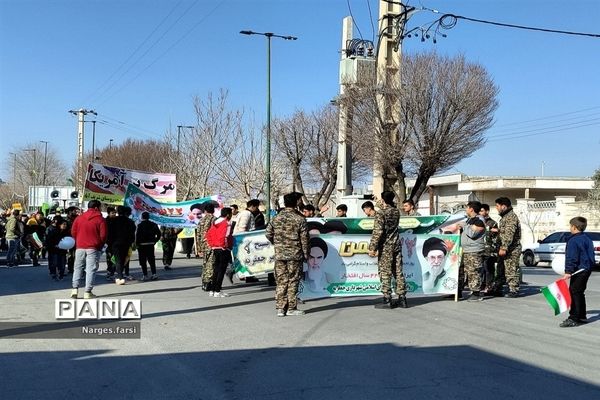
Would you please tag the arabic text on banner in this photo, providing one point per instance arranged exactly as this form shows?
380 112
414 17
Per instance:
109 184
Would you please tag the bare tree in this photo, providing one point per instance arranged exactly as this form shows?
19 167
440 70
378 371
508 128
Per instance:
142 155
445 105
26 167
594 194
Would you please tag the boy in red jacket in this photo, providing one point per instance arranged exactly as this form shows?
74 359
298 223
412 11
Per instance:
220 240
89 232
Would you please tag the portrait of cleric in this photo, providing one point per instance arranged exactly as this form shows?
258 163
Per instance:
321 266
197 210
434 251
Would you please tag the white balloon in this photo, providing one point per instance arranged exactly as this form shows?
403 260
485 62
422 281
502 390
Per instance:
558 264
66 243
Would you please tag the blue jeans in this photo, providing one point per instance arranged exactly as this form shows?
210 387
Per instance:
13 247
85 259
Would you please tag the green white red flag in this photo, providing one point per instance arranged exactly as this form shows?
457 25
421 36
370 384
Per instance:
558 296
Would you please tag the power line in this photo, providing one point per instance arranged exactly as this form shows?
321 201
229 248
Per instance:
531 28
140 57
549 116
499 139
538 126
371 19
353 20
133 53
164 53
115 123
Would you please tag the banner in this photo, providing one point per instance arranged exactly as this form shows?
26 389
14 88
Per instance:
109 184
183 214
340 265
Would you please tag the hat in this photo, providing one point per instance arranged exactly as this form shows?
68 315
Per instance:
434 243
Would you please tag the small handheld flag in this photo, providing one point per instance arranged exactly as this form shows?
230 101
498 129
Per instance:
558 296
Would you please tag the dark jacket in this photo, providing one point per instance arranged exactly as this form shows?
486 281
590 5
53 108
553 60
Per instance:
53 238
147 233
579 253
121 231
89 230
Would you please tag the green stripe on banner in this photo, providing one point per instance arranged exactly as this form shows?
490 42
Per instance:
551 300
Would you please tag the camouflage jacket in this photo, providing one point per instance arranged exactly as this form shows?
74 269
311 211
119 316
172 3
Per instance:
509 231
288 232
491 238
203 226
385 229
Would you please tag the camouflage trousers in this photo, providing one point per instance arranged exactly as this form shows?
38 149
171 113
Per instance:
287 278
473 262
208 269
389 264
512 270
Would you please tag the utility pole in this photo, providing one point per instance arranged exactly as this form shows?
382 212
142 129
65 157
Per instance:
81 171
388 80
344 156
110 144
268 35
45 160
179 127
93 141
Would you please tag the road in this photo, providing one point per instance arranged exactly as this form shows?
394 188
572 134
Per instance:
197 347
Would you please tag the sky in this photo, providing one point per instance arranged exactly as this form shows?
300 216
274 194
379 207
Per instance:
139 64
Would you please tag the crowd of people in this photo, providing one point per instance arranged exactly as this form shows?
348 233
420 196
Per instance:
490 250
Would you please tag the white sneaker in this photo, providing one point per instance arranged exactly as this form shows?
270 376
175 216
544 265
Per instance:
211 294
220 294
120 281
74 293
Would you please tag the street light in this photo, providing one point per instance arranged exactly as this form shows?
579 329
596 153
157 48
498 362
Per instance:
179 127
34 175
110 144
14 172
45 160
268 35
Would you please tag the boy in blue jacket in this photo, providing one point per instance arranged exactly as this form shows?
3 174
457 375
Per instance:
579 255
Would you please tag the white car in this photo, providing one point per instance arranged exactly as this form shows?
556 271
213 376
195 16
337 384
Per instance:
555 243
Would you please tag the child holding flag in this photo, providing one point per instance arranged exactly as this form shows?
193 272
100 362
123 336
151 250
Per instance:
579 260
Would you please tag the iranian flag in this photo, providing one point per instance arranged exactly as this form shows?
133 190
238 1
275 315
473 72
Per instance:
557 294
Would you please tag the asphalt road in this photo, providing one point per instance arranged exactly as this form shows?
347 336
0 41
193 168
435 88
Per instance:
197 347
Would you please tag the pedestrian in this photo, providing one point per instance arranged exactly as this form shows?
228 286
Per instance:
72 214
168 239
509 233
235 211
14 232
341 211
490 252
89 232
288 232
146 237
579 261
245 221
472 240
111 214
385 245
220 240
120 238
57 257
202 247
408 208
368 208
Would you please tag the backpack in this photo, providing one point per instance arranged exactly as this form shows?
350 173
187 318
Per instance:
216 235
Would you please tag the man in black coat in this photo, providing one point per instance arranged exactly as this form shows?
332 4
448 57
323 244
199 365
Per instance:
147 235
120 237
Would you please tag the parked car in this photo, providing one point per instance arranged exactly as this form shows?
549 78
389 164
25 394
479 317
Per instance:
555 243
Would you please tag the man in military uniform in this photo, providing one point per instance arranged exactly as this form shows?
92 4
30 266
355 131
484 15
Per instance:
510 246
385 244
490 251
289 233
205 223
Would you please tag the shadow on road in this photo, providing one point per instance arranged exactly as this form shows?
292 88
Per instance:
328 372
